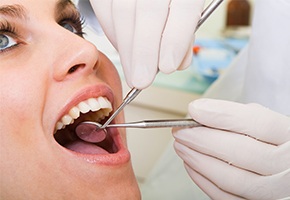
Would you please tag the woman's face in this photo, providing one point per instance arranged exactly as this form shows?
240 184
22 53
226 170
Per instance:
49 74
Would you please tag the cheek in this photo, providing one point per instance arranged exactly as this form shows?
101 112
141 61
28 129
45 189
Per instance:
20 98
110 75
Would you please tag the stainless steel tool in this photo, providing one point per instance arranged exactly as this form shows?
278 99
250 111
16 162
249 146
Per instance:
133 93
163 123
130 97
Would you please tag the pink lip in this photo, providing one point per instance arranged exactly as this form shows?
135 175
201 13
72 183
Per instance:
122 155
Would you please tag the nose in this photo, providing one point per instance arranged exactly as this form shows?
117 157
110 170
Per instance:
73 54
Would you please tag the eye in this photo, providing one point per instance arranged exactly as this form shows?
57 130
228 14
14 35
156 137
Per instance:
6 42
74 26
72 21
69 27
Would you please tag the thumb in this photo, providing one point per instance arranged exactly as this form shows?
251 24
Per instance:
250 119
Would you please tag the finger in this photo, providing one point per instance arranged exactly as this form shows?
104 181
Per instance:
186 62
124 24
208 187
250 119
178 33
234 180
239 150
151 16
102 9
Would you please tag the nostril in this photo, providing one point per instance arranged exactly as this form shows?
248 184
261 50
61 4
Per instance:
73 69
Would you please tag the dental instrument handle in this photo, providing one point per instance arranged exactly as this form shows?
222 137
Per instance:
129 97
157 124
133 93
207 12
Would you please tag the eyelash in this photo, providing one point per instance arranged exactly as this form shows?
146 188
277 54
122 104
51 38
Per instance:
76 21
6 27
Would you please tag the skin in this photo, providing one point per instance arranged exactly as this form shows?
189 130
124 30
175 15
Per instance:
36 85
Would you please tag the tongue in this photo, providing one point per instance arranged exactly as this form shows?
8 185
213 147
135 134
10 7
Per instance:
86 148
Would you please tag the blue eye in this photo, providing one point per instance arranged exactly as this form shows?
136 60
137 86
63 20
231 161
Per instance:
6 42
73 24
69 27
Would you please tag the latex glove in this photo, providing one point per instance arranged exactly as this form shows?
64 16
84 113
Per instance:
243 153
149 35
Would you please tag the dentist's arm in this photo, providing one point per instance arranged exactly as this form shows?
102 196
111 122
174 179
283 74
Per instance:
150 35
244 152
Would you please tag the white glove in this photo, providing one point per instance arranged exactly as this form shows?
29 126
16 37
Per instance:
149 35
244 152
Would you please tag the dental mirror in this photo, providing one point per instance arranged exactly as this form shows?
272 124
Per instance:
91 132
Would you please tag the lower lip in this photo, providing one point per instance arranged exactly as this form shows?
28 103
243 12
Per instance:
122 156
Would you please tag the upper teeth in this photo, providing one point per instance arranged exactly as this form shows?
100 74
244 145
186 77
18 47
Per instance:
101 104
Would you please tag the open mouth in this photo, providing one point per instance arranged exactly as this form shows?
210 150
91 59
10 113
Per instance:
93 109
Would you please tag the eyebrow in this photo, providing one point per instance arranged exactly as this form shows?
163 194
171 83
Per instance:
14 11
61 5
20 12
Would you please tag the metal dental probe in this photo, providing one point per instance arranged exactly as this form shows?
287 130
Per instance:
129 97
94 133
151 124
133 93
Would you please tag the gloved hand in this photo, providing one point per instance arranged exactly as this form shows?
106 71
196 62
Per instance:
242 152
149 35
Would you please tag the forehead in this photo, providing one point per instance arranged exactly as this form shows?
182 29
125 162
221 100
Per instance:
24 8
32 2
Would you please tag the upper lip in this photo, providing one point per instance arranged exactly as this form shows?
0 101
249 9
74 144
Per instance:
86 93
